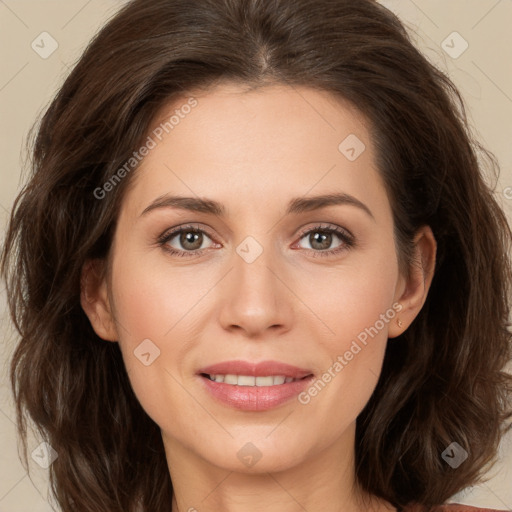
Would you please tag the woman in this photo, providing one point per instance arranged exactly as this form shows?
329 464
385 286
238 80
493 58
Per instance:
334 336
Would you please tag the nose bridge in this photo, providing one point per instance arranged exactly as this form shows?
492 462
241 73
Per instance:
255 297
255 283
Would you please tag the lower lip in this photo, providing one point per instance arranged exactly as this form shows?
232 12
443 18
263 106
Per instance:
255 398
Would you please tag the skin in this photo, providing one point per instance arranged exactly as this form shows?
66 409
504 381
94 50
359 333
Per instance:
253 152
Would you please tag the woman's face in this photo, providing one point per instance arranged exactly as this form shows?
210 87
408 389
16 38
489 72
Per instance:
258 274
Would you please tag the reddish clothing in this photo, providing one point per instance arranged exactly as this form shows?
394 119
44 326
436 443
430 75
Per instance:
451 507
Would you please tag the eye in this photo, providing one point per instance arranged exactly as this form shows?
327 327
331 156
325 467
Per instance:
189 240
184 241
320 238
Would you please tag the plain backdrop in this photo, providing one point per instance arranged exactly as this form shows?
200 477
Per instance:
471 40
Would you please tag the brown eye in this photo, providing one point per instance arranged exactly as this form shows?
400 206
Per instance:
184 241
191 240
321 239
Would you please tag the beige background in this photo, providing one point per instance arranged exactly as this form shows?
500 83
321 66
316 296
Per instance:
27 82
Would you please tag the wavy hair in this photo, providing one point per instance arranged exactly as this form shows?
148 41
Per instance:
442 380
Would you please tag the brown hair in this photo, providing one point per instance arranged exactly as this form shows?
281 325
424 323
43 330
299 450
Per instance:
442 379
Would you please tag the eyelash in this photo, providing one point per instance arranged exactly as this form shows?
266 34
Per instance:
346 237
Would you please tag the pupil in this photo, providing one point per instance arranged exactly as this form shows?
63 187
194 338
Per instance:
323 244
190 237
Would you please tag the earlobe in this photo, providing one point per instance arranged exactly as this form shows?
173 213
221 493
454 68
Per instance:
95 302
416 287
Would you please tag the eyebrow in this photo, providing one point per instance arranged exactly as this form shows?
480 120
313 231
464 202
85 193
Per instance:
295 206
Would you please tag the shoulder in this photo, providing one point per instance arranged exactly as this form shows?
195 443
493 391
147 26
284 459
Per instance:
450 507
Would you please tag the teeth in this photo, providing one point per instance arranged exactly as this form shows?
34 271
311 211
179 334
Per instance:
248 380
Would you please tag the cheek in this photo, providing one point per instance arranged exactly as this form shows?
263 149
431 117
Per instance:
354 307
152 299
351 298
151 306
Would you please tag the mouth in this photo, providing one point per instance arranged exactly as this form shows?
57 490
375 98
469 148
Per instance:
254 386
254 374
250 380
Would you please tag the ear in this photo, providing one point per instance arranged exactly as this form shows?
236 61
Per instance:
94 300
412 292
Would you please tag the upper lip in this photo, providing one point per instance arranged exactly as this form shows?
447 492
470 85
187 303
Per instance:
264 368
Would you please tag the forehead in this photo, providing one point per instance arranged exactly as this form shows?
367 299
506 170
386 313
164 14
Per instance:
242 114
263 144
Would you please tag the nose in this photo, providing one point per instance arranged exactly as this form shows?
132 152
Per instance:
256 297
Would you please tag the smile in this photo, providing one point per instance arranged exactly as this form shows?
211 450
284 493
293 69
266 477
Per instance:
249 380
